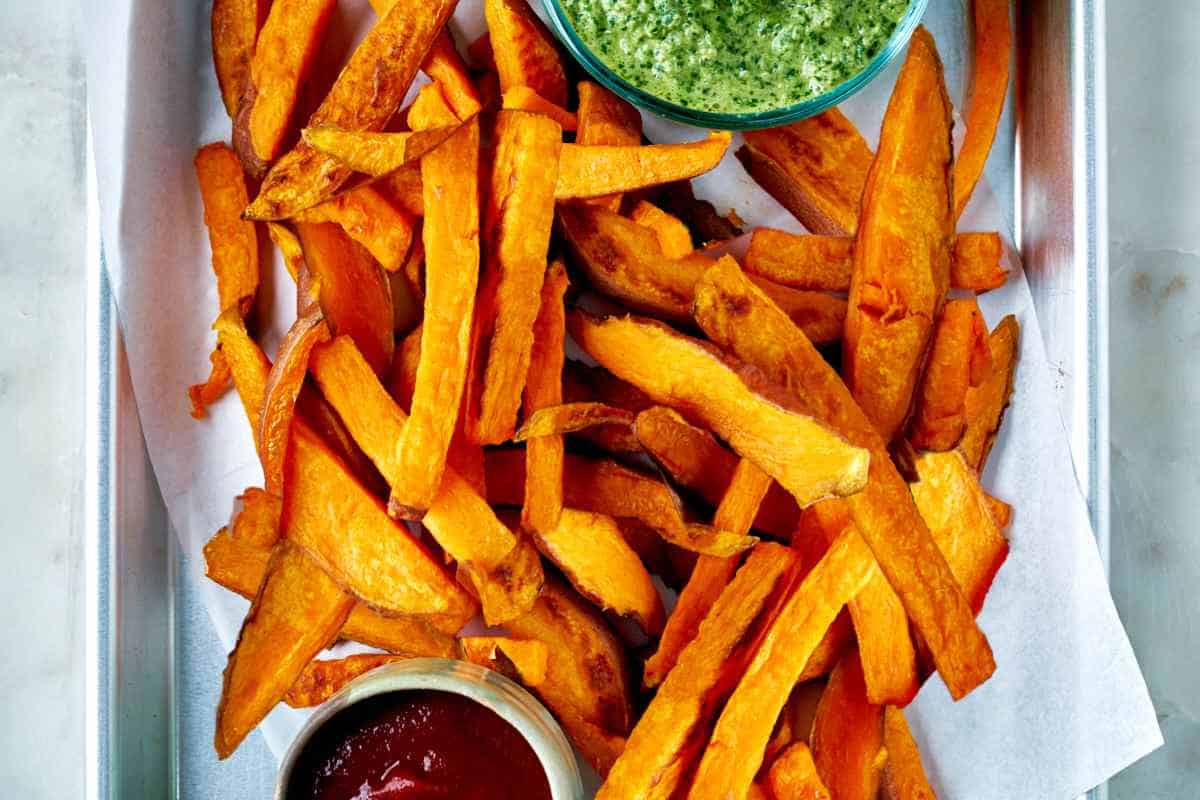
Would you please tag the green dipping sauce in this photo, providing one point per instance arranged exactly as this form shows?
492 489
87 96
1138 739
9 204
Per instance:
735 56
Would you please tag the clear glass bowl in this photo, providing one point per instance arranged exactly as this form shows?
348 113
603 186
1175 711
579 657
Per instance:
560 22
490 689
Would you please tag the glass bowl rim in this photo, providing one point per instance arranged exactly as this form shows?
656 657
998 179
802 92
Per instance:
560 23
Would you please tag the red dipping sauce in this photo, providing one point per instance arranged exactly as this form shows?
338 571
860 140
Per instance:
418 745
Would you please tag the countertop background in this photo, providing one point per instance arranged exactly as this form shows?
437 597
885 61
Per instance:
1154 185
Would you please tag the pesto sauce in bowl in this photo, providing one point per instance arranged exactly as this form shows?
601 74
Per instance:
735 56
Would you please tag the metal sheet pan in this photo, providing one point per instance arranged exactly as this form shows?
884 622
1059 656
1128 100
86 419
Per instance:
150 650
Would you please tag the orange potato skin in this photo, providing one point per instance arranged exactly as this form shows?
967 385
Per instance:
989 85
235 27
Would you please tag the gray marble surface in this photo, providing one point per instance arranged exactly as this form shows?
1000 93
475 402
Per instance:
1154 138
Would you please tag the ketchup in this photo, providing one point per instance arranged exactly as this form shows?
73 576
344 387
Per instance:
418 745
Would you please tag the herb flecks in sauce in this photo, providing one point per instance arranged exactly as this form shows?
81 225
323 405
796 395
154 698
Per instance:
735 56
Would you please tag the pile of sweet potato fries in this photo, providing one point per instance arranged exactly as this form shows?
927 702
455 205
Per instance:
792 441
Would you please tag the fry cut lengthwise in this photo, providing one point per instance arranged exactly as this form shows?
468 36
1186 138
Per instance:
793 776
603 118
803 455
902 252
364 97
986 402
369 219
673 236
321 680
451 239
742 320
544 389
570 417
587 171
903 776
235 27
847 735
959 359
373 153
522 98
524 51
517 221
662 748
522 660
989 85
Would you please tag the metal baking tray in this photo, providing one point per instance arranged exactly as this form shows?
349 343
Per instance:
152 654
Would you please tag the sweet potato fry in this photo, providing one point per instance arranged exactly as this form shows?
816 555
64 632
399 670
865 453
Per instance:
450 235
740 319
289 247
839 637
404 370
522 98
504 571
202 395
815 168
258 521
959 358
295 614
350 535
902 253
544 389
370 219
985 100
444 65
364 97
960 519
673 236
379 154
284 55
1001 511
279 399
235 27
524 51
516 230
706 224
596 559
986 402
712 574
735 749
847 738
661 748
827 262
571 417
321 680
805 457
624 260
695 460
793 776
521 660
320 416
353 291
604 118
583 384
903 776
587 171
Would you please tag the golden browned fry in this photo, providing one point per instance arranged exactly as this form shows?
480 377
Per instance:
735 749
380 154
284 55
805 457
296 614
523 98
712 574
847 735
350 535
604 118
258 521
815 168
1001 511
571 417
827 262
793 776
960 519
587 171
625 261
353 291
202 395
544 389
522 660
404 370
600 564
902 253
321 680
695 460
247 364
986 402
985 101
903 776
279 399
370 219
524 51
673 236
959 359
739 318
668 737
504 571
450 235
582 383
516 230
235 27
444 65
364 97
289 247
320 416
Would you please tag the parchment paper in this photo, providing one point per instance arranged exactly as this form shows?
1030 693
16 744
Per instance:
1067 707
